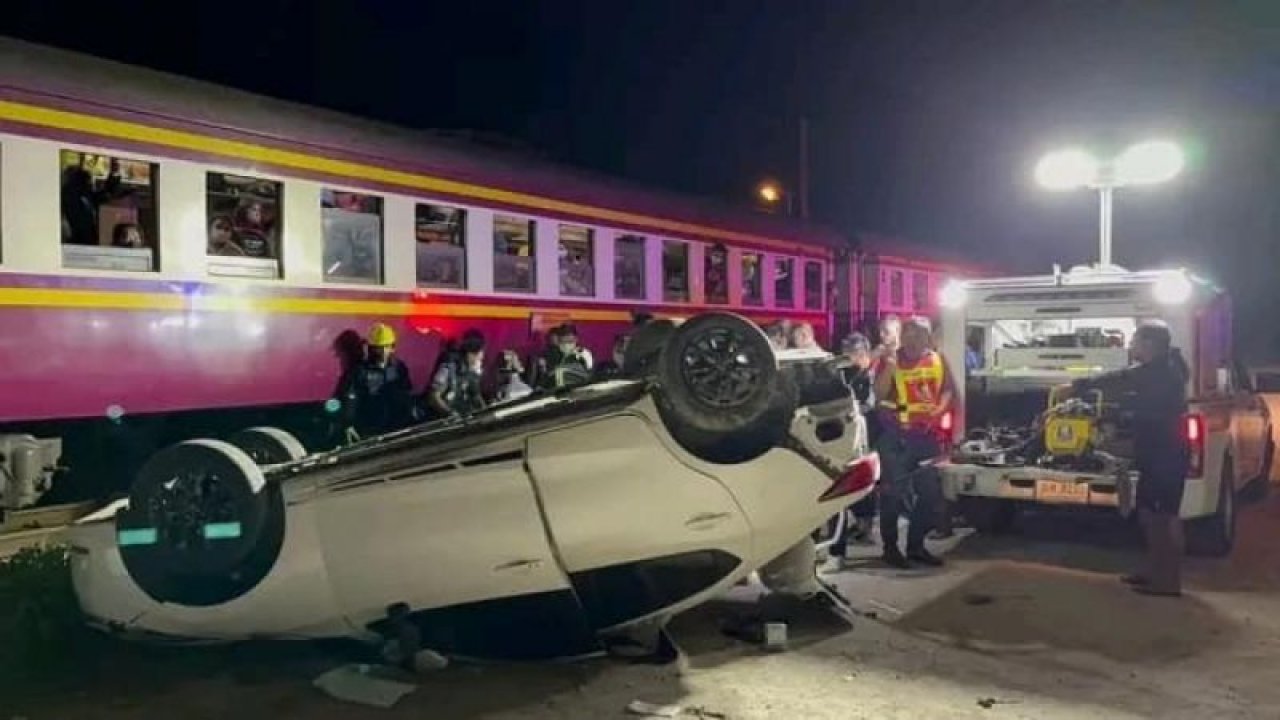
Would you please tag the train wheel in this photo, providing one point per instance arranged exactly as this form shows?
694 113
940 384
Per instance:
268 445
194 529
720 392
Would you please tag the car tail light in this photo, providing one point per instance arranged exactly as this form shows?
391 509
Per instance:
946 423
1193 426
857 476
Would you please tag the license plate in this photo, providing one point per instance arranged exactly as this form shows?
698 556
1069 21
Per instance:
1062 492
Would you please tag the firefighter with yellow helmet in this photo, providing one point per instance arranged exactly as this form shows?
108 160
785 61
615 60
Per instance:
915 389
377 393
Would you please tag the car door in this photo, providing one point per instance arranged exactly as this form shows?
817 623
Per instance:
461 543
637 529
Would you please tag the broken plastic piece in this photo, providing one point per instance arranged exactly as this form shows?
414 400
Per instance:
370 685
640 707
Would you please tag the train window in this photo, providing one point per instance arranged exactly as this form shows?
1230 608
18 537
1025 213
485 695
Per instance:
513 254
919 291
813 285
896 291
751 281
108 212
577 268
352 236
715 274
675 271
441 232
628 267
244 217
784 282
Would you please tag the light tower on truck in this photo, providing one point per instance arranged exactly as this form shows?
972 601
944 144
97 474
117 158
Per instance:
1146 163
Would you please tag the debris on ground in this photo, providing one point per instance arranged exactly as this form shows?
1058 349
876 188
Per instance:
988 703
701 712
640 707
775 636
978 599
425 661
373 685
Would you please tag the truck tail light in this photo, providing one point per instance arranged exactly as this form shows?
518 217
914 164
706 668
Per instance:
1194 427
857 476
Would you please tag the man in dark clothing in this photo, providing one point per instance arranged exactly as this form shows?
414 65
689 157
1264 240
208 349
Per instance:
81 202
377 392
565 363
1155 390
855 366
612 368
455 388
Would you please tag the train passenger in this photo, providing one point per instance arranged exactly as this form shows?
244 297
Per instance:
81 202
377 392
127 235
510 385
455 388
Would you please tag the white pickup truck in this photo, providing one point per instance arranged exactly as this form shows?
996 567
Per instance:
1024 335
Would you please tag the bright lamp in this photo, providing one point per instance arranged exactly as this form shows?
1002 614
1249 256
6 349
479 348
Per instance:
952 295
1067 170
1149 162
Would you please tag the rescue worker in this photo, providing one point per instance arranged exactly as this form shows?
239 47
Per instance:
1155 388
855 370
914 389
377 392
455 388
566 363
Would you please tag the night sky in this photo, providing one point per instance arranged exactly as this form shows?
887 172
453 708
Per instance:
927 117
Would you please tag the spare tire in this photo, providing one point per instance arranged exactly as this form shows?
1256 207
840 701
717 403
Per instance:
720 392
268 445
202 526
645 347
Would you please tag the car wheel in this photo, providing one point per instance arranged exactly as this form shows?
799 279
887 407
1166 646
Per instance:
720 392
645 347
268 445
196 529
990 516
1259 487
1216 534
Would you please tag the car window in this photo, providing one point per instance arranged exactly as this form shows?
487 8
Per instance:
1268 382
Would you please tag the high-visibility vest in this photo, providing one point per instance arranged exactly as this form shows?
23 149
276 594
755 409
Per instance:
918 386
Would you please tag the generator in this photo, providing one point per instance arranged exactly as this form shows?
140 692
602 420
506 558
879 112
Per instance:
27 467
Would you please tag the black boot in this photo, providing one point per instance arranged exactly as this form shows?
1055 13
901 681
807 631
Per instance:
893 558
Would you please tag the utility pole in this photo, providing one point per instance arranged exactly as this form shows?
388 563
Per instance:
804 168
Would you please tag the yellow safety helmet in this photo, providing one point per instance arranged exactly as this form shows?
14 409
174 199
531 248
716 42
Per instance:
381 335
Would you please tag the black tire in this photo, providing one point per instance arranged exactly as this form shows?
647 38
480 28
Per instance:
989 516
200 518
268 445
1215 535
720 392
645 347
1259 487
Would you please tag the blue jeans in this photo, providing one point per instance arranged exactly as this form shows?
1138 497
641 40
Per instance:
905 487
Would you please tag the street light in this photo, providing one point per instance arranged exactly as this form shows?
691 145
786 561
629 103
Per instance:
771 194
1146 163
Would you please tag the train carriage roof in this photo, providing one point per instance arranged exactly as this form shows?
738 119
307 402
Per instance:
90 84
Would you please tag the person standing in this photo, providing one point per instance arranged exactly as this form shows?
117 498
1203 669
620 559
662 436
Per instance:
455 388
914 389
855 371
566 363
377 391
1156 387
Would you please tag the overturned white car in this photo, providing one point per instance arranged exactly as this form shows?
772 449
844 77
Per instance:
542 528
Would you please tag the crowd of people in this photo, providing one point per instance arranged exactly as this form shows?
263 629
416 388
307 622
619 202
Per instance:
901 384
